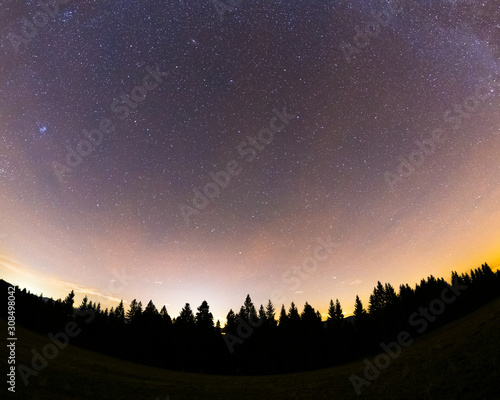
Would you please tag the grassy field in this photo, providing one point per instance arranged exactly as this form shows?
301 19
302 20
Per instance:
458 361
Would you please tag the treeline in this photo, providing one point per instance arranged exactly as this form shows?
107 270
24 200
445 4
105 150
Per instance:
263 340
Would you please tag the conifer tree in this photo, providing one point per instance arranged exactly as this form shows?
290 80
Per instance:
270 314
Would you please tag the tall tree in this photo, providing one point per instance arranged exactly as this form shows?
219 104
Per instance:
283 317
134 313
376 301
166 320
151 319
390 297
204 318
186 317
359 311
131 311
120 313
339 315
270 313
262 314
231 322
293 315
249 311
150 310
331 313
67 305
309 317
218 329
84 304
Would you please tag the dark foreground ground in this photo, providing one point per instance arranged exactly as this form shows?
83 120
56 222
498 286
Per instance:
459 361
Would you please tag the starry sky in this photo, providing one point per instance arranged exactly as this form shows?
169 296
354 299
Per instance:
118 117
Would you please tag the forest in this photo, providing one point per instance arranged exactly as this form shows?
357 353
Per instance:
261 340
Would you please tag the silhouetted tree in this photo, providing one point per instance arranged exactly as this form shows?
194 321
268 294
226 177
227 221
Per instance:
299 342
270 314
262 314
248 310
204 318
231 322
68 304
120 313
165 318
359 311
150 310
283 321
339 315
293 315
186 317
376 300
309 317
135 312
389 296
83 306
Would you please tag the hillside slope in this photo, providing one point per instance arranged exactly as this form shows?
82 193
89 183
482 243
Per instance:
459 361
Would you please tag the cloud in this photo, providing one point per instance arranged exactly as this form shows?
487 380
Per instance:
50 281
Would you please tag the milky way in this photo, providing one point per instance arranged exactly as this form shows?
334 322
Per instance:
185 151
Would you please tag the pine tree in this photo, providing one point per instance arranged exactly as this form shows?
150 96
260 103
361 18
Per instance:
204 318
120 313
283 317
242 314
131 311
359 311
165 318
231 322
262 314
138 311
293 315
186 317
68 303
331 313
309 316
339 315
270 314
390 297
84 304
150 310
151 318
249 311
376 301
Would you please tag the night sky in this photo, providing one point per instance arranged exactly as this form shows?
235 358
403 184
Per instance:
351 150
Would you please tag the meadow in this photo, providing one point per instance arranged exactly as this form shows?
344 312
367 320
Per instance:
461 360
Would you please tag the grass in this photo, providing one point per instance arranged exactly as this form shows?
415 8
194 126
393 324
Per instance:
459 361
